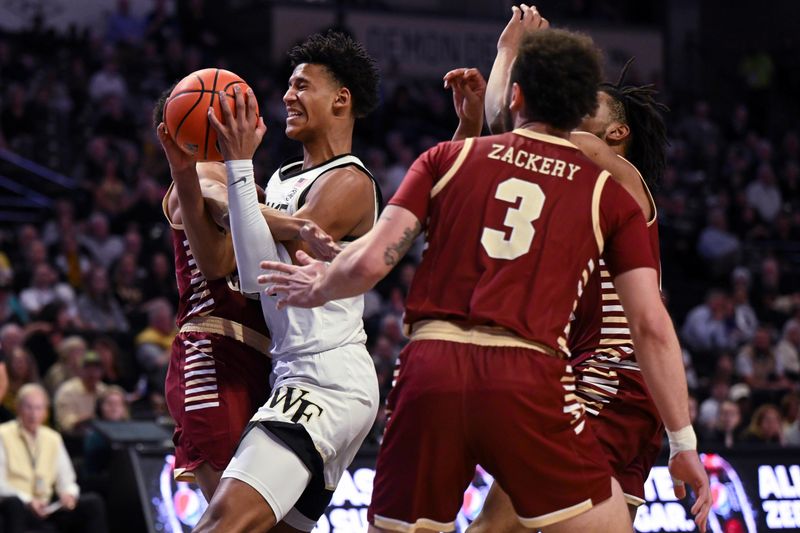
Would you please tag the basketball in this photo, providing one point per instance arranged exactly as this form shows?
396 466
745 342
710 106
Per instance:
185 112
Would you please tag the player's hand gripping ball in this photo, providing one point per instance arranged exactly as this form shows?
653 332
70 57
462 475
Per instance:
186 110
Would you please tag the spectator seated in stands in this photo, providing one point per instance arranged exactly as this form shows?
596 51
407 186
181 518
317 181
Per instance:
112 406
153 344
765 427
708 413
71 351
787 352
76 398
98 307
790 409
44 289
756 363
21 370
718 246
724 433
709 326
35 470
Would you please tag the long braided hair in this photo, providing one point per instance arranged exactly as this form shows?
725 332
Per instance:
636 106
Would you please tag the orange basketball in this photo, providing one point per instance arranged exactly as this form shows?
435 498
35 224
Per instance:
185 112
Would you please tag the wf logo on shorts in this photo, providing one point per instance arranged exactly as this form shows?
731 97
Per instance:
294 399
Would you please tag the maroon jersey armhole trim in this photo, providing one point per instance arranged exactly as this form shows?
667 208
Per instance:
462 155
165 208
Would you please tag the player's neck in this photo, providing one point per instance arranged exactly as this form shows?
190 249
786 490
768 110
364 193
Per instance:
617 147
540 127
317 151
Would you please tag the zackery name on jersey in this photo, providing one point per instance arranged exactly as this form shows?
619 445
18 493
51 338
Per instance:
533 162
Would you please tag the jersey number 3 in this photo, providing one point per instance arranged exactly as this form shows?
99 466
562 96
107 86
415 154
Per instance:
519 219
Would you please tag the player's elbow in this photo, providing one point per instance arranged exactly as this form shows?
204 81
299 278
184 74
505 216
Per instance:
653 326
367 269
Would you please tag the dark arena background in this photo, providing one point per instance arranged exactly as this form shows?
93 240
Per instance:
86 263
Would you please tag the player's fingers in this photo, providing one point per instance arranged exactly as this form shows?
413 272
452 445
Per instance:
536 17
702 506
241 110
678 488
703 496
273 281
163 136
545 23
475 80
455 73
472 75
215 123
329 253
701 517
516 14
468 91
250 104
261 128
225 107
458 93
277 266
303 258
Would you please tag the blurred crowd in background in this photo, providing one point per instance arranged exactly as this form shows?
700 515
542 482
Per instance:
88 294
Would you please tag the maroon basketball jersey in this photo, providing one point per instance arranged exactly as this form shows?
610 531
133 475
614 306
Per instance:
515 226
600 331
199 297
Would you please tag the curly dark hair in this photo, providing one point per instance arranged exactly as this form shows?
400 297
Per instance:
558 72
636 106
158 109
349 63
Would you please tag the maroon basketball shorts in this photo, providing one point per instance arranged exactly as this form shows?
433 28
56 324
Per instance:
626 422
511 409
214 385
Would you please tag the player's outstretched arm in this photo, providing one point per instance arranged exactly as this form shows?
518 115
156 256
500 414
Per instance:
356 270
523 19
659 356
239 136
340 203
194 189
469 91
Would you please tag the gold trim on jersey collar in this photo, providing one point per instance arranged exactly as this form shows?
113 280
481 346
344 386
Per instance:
552 139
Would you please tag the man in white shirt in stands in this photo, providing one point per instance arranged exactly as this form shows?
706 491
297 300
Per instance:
37 480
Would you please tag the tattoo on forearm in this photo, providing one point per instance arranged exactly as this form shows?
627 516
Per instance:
394 252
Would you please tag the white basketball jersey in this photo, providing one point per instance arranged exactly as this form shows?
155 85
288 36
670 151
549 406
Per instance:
297 331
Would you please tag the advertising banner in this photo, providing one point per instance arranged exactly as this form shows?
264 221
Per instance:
753 491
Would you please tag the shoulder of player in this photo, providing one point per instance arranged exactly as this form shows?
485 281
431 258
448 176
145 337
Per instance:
350 179
621 170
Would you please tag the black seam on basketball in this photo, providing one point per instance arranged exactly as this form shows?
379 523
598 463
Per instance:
208 122
231 83
178 129
191 91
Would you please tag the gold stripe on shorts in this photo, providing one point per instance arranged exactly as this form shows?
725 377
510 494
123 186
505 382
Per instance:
228 328
443 330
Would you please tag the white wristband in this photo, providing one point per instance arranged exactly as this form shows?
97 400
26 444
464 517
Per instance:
682 440
239 170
